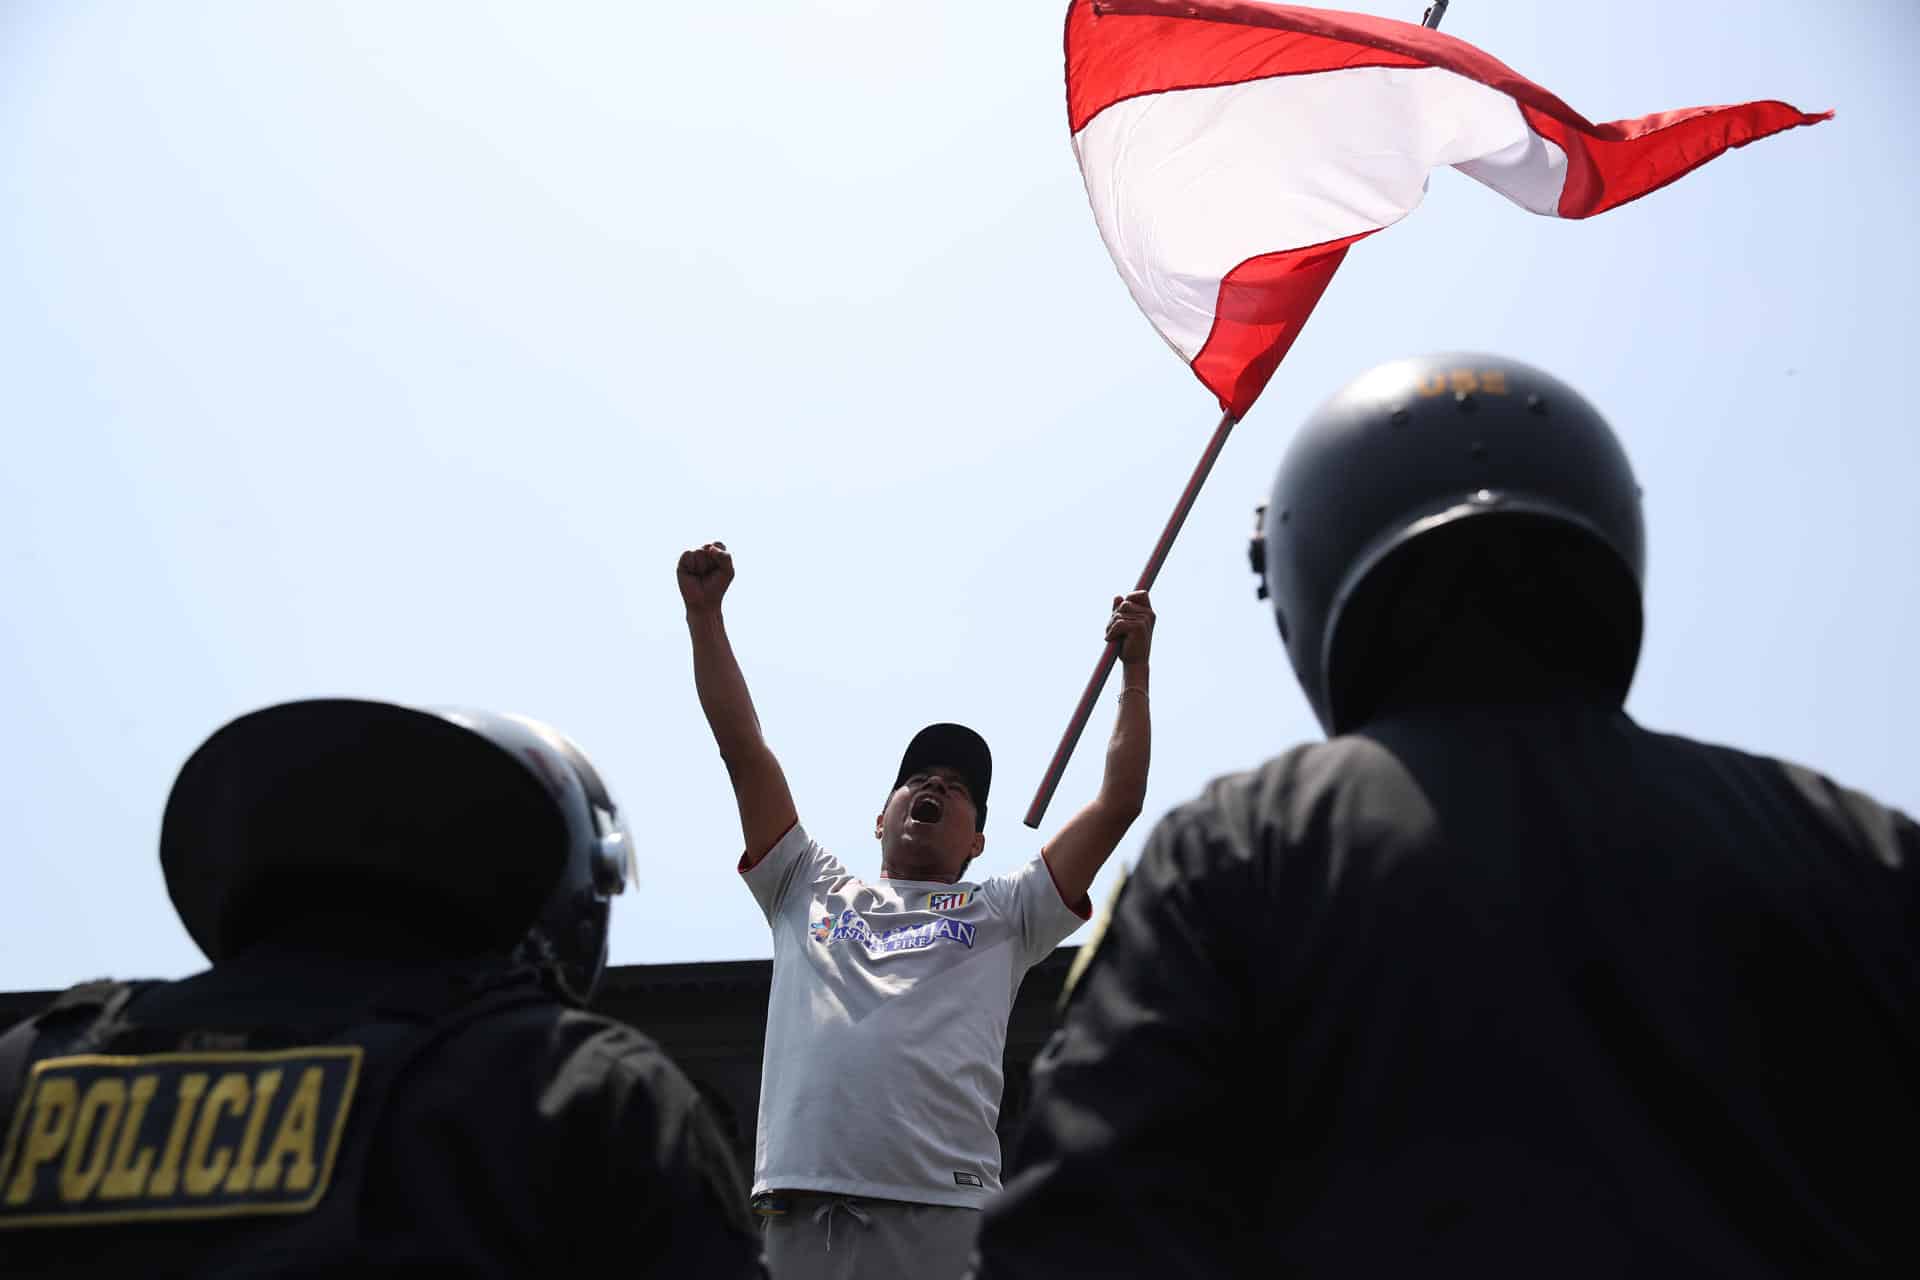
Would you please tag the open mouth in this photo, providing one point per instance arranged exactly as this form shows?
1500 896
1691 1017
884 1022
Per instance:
926 808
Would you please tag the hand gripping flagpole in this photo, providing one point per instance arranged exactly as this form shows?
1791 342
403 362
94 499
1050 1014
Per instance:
1071 738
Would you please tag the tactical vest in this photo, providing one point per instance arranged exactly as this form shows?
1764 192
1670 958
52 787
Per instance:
213 1150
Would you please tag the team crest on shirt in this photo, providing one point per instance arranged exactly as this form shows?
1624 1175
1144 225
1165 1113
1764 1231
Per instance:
822 927
949 899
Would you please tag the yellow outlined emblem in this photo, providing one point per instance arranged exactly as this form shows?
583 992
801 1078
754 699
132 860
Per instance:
100 1139
1491 382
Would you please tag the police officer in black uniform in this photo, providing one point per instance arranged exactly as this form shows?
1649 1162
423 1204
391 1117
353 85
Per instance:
1494 981
388 1067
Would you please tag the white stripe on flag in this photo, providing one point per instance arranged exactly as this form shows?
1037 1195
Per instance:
1188 184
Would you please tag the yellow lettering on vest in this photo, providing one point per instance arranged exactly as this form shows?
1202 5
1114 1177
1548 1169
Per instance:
264 1088
127 1176
1433 384
186 1100
204 1171
54 1103
295 1137
102 1105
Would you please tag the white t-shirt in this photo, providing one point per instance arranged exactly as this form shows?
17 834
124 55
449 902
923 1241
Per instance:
888 1021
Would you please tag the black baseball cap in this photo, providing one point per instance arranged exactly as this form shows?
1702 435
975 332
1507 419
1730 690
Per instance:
956 747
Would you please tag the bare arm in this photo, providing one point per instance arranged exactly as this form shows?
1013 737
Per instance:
759 785
1082 847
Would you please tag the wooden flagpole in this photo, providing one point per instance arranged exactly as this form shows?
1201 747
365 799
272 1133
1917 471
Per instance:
1071 738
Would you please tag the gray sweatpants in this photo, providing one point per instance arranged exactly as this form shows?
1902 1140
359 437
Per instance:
828 1237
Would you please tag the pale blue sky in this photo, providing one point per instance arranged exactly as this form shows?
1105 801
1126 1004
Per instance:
396 350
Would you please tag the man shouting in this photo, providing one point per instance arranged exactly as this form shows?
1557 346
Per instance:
888 1015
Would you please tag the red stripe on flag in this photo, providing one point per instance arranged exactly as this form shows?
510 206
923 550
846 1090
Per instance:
1120 49
1611 164
1263 303
1117 51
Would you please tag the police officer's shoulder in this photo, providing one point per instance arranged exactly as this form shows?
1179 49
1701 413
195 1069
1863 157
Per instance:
613 1084
1265 811
560 1036
82 1004
617 1049
61 1026
1879 831
1890 836
83 999
592 1063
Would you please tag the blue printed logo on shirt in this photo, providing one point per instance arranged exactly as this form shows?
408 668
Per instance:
907 937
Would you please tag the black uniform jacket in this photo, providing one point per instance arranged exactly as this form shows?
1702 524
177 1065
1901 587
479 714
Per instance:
1529 991
482 1128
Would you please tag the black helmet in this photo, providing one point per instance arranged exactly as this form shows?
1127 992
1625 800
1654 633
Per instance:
1413 470
475 830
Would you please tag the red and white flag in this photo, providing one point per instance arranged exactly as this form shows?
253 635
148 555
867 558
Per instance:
1233 150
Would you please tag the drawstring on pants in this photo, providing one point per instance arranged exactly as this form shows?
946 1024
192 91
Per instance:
825 1211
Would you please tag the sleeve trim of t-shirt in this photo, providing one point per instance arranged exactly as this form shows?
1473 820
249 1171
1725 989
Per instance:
1082 908
749 859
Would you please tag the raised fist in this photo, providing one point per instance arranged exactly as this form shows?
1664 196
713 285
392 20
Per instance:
704 574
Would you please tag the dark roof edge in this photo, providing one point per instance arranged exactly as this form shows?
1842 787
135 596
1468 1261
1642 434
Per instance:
709 975
621 980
